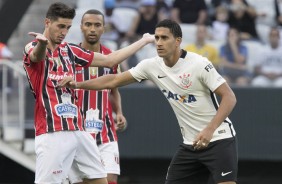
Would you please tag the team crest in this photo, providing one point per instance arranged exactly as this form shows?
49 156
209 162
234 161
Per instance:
185 81
93 71
66 109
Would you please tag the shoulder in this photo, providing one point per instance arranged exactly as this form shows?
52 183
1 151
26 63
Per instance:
196 59
30 45
105 49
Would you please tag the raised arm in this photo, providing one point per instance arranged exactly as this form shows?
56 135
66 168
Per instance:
39 51
118 56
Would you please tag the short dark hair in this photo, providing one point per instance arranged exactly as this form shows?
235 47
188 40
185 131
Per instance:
95 12
173 26
60 10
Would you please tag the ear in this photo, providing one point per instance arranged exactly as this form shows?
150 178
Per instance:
47 22
178 41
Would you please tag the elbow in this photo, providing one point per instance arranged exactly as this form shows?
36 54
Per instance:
234 99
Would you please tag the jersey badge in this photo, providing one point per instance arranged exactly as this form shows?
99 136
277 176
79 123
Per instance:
92 122
66 109
93 71
185 80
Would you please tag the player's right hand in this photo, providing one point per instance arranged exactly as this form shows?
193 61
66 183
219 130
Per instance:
40 37
68 82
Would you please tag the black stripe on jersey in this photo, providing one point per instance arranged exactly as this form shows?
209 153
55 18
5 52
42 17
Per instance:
214 101
110 134
99 103
64 64
109 124
79 60
46 101
86 93
183 54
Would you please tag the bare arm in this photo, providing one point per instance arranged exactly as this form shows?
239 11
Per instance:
39 51
228 101
104 82
115 99
118 56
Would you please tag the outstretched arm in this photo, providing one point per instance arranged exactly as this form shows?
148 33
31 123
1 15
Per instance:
109 81
39 51
118 56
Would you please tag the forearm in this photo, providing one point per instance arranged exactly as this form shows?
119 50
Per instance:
39 52
116 101
120 55
103 82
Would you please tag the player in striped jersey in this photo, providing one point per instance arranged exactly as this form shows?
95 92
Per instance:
190 83
61 142
92 27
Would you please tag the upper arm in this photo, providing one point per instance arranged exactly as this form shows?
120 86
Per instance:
100 60
224 89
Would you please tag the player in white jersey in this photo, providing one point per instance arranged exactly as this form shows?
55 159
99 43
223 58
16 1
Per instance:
189 82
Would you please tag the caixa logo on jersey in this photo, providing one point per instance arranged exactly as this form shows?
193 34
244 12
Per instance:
66 109
181 98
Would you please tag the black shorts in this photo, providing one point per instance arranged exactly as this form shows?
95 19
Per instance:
214 164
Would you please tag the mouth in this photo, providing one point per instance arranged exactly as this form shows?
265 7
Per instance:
61 38
92 36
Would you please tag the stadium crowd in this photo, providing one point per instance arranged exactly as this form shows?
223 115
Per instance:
240 37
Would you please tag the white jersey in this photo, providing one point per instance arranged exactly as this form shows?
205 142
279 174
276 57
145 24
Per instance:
188 86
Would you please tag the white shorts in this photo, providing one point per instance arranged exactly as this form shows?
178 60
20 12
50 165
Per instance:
110 157
58 152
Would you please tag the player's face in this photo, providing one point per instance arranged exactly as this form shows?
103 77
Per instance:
166 44
92 27
58 29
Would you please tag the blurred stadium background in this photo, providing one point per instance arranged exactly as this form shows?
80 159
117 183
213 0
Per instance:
152 136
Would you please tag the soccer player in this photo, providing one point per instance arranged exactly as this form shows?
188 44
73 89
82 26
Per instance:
190 83
61 142
92 27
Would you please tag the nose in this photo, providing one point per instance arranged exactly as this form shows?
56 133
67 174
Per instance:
92 29
65 31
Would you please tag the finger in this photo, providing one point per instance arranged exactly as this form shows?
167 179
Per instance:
33 34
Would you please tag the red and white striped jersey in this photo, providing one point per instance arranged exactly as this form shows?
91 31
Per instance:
98 99
55 109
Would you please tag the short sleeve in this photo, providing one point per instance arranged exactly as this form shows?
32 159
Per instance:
139 71
209 76
82 57
27 50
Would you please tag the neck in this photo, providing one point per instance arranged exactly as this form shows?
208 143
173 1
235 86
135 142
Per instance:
172 60
93 47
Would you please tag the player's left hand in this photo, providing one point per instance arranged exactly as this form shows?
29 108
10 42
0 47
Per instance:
149 38
121 123
203 138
